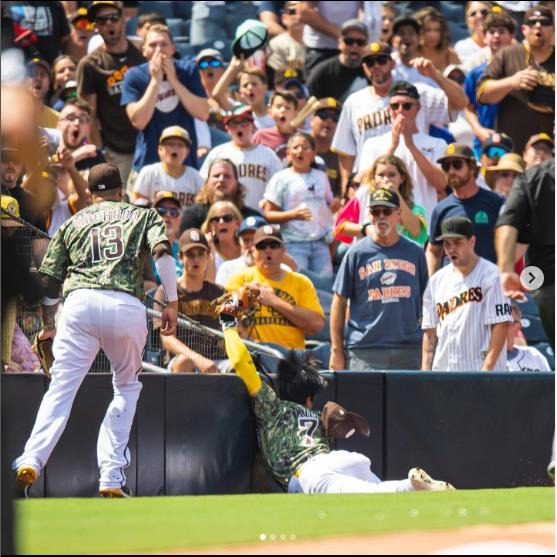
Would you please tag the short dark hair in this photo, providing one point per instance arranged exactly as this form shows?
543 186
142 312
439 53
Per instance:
80 103
152 18
288 96
298 377
499 19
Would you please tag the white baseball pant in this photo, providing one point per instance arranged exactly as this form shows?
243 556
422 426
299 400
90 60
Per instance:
92 319
342 472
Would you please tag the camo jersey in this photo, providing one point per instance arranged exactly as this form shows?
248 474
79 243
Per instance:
289 433
104 246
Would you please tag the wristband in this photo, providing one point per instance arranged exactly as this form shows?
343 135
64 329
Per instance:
364 226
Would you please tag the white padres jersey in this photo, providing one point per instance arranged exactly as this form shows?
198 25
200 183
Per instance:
463 310
526 358
364 115
255 166
152 178
431 147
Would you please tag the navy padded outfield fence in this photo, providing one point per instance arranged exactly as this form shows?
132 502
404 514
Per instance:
195 434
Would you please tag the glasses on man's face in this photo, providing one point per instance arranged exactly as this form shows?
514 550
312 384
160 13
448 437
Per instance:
328 115
351 42
290 11
495 152
172 211
82 24
104 19
273 244
544 22
378 211
225 218
405 106
457 164
214 63
82 119
483 12
380 60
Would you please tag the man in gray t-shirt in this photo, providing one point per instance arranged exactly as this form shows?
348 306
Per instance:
384 276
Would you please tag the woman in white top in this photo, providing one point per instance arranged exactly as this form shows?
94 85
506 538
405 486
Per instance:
221 228
475 13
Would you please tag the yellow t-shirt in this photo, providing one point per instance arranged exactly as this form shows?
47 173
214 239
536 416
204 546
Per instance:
270 325
48 117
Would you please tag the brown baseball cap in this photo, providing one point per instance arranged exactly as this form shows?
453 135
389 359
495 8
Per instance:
98 4
377 49
192 238
457 150
540 137
340 423
166 196
104 176
267 232
328 102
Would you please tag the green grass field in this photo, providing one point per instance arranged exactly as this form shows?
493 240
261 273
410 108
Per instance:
70 526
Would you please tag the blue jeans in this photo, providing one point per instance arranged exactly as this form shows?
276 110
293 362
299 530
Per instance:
218 22
314 256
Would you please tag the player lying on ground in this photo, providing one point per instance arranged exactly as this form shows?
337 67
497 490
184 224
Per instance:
295 438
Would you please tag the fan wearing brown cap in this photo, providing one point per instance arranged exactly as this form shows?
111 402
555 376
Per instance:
521 78
295 437
98 256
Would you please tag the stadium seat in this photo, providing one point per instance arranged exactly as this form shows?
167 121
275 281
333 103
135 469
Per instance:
183 9
453 11
180 30
185 48
161 6
547 351
131 25
533 329
529 307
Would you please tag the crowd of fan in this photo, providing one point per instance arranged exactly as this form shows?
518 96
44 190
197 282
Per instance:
271 165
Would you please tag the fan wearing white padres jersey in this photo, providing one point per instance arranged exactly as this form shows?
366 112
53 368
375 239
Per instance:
170 174
465 313
365 113
256 164
99 254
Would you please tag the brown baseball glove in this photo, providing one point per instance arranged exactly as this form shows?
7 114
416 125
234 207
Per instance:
43 350
242 303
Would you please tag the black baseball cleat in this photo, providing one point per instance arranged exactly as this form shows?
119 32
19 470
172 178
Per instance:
115 492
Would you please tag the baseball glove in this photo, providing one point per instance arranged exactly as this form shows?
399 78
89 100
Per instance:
43 350
242 303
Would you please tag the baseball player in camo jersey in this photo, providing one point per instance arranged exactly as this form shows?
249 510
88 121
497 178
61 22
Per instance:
294 438
465 313
99 254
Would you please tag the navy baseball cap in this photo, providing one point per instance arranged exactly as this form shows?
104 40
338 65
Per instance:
251 223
